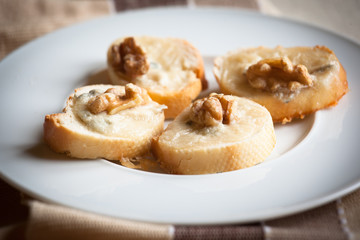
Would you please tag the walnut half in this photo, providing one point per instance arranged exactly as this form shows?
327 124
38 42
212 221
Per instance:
114 100
129 58
276 74
212 110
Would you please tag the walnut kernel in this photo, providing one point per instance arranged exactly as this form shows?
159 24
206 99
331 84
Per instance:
275 74
129 58
114 100
212 110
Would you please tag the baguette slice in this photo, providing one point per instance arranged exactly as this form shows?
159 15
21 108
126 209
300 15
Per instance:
327 79
185 148
82 134
175 74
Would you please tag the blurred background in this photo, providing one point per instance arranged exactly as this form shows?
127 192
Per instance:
22 21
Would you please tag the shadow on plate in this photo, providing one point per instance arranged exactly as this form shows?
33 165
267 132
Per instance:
43 152
99 77
40 151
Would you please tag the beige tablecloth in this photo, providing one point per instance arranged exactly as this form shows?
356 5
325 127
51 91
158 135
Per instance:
22 217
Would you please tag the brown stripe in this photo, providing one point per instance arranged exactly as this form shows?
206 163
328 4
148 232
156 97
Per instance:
13 232
11 208
320 223
226 232
121 5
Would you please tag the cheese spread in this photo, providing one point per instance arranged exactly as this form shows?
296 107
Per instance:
249 118
130 122
320 64
172 64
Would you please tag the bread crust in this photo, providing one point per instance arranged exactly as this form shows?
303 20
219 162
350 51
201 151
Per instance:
306 102
176 100
62 138
223 159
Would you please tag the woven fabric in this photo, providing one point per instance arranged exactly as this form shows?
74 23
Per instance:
248 4
224 232
319 223
49 221
22 21
349 213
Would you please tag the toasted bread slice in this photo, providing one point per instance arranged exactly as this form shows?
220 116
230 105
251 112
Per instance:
170 69
289 82
229 142
80 133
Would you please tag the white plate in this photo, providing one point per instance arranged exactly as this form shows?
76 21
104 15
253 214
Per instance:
315 160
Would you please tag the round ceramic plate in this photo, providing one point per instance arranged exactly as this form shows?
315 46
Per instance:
315 159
